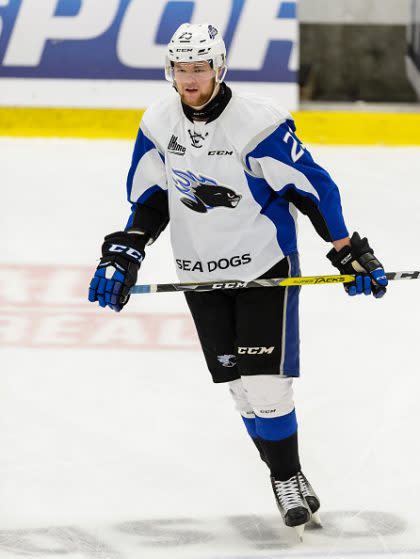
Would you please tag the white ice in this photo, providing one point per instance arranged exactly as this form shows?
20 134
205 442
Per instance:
108 451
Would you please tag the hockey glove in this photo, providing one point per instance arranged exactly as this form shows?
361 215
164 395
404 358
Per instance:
122 254
359 259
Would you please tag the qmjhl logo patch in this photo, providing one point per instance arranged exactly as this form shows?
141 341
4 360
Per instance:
174 147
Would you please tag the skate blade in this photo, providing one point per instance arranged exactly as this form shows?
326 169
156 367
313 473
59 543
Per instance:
299 531
317 519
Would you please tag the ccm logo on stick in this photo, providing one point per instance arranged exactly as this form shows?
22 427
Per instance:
255 350
229 285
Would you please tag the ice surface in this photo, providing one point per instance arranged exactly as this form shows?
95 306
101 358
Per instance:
114 442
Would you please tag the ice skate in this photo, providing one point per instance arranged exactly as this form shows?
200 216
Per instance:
311 498
291 503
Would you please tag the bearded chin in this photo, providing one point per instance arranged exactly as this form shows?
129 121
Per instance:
202 99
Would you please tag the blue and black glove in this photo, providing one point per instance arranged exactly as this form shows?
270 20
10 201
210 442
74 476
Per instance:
122 254
359 259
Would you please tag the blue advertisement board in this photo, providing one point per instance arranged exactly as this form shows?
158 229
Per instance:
126 39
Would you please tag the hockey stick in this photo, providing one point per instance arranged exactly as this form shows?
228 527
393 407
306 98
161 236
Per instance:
273 282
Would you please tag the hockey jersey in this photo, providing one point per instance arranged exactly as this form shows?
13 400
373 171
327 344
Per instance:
229 188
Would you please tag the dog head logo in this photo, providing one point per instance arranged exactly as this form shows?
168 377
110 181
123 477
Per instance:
203 194
207 196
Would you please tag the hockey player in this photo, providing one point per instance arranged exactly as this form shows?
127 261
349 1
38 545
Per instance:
228 172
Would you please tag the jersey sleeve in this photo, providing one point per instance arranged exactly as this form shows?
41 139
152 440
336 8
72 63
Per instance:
147 188
288 167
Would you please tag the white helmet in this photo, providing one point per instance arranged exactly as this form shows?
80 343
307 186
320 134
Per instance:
197 42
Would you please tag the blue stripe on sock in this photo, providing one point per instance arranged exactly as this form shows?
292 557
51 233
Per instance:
275 428
250 426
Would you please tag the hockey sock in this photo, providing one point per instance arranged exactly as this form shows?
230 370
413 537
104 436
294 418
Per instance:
282 457
276 428
274 437
277 443
259 444
250 426
252 432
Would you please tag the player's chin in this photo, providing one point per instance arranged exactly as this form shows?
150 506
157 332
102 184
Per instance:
190 95
194 97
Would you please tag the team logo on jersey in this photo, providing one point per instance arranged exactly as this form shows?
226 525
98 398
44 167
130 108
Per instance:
207 197
203 193
197 140
174 147
227 360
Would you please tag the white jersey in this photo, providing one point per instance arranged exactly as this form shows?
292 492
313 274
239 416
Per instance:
233 186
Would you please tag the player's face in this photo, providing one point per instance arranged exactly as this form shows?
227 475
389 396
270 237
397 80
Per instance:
195 82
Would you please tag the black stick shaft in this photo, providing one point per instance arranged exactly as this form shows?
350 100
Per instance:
272 282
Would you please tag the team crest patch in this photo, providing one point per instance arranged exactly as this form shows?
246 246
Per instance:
227 360
197 139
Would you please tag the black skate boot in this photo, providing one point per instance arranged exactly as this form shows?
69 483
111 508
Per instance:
311 498
291 503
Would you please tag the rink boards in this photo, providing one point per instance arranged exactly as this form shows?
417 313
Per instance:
320 127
